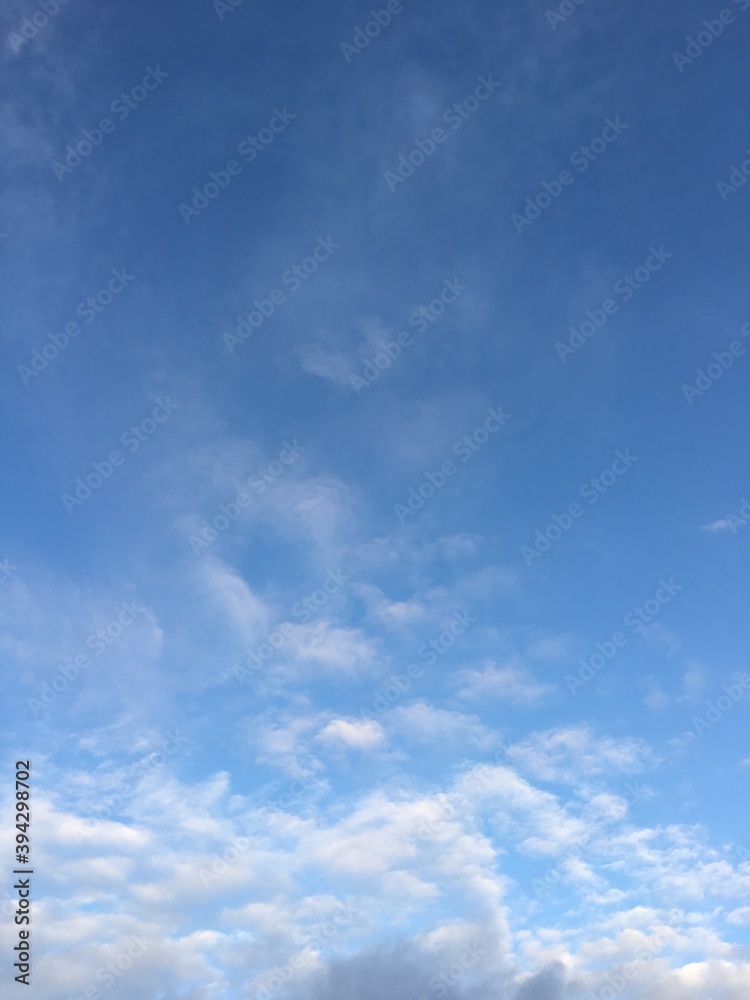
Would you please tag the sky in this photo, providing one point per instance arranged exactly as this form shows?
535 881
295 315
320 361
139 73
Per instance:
376 509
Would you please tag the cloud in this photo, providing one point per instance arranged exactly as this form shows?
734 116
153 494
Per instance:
317 512
572 753
555 647
693 684
655 698
423 723
511 682
392 614
458 546
336 368
721 525
293 742
396 973
364 735
231 856
243 610
545 985
414 857
660 635
343 651
285 742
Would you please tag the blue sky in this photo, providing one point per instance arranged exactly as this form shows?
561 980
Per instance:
356 398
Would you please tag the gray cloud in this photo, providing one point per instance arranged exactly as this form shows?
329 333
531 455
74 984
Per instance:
405 972
549 984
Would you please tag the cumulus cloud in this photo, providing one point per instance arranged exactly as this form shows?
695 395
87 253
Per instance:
405 855
364 735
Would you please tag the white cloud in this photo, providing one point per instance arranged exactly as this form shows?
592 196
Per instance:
575 752
655 698
693 684
284 742
659 635
458 546
721 525
392 614
336 368
423 723
244 610
511 682
555 647
409 854
343 651
365 735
